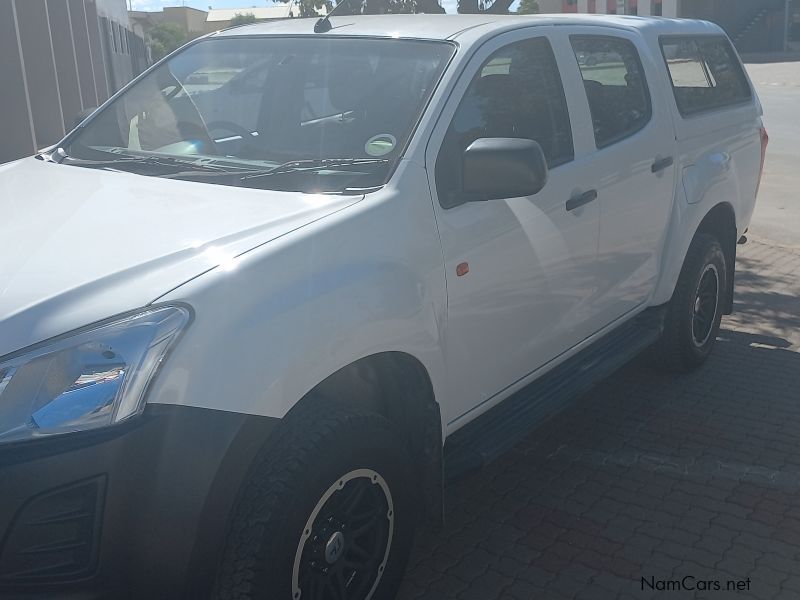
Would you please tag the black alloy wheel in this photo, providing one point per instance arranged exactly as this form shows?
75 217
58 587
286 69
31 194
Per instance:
345 544
694 314
706 305
327 512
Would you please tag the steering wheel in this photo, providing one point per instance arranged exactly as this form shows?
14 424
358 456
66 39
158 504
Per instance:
230 126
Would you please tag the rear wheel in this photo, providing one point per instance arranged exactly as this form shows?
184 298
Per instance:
328 513
695 311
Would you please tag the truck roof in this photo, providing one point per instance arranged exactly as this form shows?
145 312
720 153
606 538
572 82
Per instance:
449 27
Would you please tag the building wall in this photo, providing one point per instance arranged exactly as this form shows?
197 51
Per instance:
550 6
221 18
212 26
59 57
113 9
753 25
190 20
666 8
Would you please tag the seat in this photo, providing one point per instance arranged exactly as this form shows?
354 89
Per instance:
500 103
595 93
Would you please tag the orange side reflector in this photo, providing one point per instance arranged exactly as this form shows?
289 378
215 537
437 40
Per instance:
462 269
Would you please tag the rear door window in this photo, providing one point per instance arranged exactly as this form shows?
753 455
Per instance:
615 86
705 73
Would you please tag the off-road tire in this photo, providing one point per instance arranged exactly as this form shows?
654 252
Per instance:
309 453
678 349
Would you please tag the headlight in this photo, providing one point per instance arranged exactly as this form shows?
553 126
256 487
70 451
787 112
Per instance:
89 379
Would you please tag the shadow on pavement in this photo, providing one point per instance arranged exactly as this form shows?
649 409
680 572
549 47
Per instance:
767 297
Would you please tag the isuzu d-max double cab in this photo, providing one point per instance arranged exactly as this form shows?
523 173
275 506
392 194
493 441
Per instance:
263 303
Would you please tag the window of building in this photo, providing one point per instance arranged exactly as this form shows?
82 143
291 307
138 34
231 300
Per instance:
705 73
615 85
517 93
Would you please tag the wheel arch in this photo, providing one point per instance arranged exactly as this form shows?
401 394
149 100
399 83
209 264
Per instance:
396 385
720 221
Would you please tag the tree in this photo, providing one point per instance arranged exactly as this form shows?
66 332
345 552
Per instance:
243 19
164 38
528 7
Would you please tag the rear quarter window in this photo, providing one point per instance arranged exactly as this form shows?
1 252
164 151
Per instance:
705 73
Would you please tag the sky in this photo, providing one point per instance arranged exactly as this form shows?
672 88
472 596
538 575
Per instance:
449 5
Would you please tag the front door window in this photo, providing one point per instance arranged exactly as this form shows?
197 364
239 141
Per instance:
516 93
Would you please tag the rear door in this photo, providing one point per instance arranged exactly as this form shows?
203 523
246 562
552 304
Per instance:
632 165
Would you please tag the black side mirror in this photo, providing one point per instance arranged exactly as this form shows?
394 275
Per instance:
498 168
81 116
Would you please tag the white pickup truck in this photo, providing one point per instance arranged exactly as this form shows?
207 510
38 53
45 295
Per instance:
263 303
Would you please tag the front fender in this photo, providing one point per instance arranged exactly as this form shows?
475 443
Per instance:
277 321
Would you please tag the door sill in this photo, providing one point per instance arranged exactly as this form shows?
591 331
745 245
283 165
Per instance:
503 426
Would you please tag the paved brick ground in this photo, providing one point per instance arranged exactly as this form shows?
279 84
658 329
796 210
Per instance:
647 476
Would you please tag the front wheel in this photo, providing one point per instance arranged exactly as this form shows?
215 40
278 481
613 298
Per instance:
328 513
695 311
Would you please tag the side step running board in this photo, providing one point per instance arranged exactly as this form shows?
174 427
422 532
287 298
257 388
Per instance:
505 425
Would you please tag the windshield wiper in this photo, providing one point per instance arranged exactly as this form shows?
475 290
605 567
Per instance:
316 165
292 166
156 161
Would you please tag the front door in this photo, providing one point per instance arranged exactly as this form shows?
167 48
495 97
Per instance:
520 271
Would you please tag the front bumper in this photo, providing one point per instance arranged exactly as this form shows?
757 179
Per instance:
134 511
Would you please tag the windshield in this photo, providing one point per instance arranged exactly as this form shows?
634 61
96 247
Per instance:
301 114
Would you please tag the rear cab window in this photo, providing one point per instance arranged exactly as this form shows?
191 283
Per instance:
705 73
615 84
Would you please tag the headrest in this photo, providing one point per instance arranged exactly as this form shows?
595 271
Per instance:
347 83
493 86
